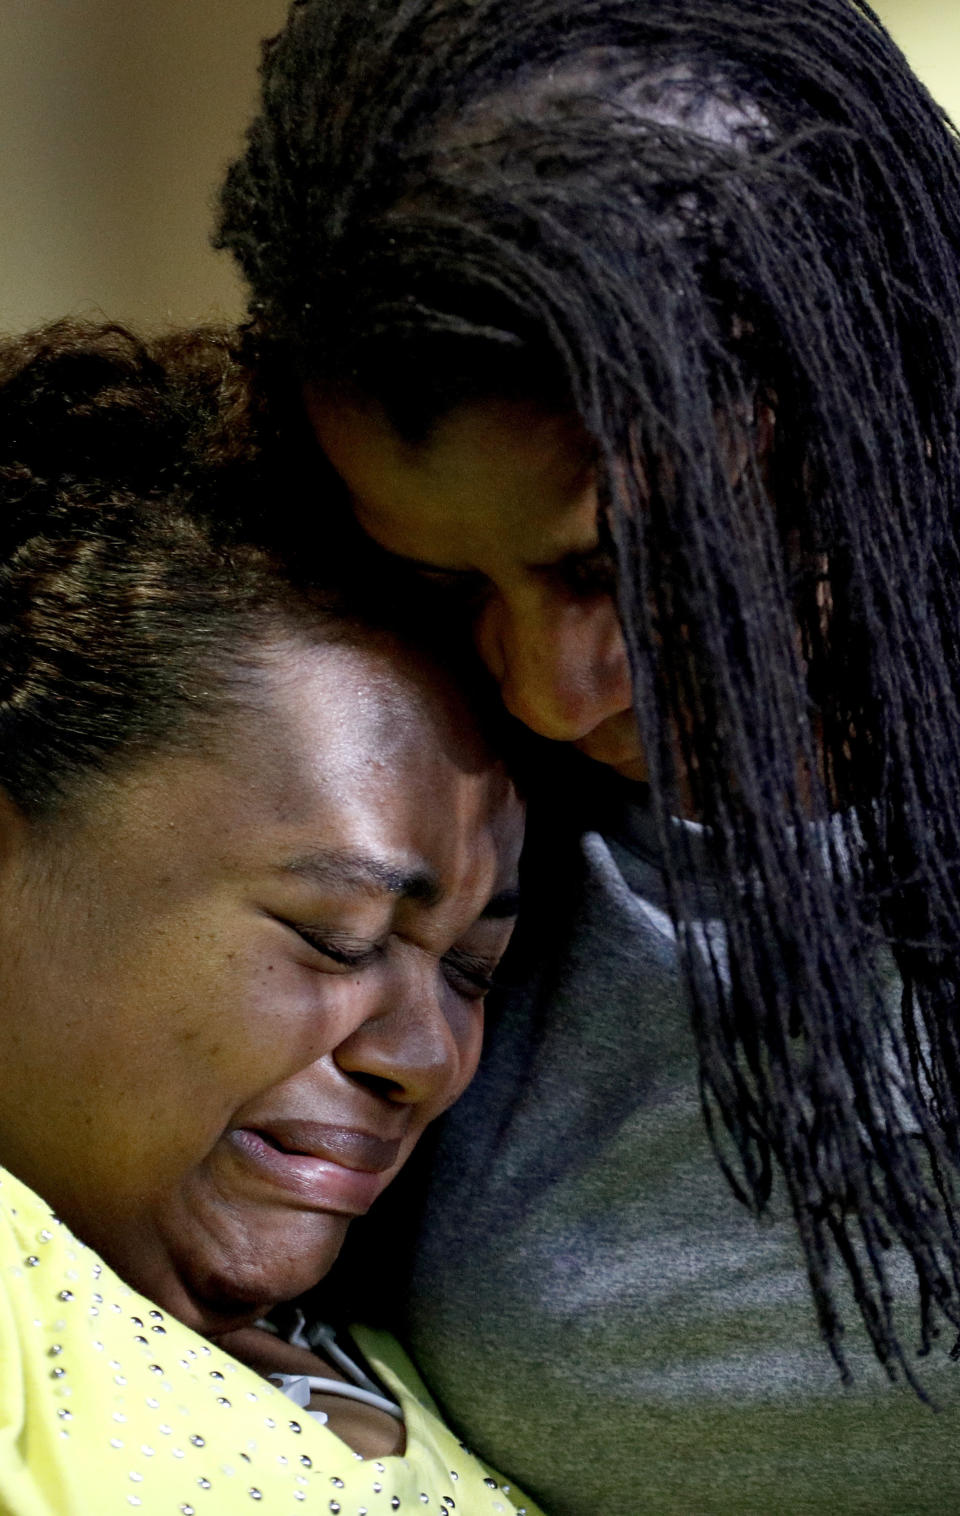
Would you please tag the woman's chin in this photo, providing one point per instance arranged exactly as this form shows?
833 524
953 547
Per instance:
217 1278
233 1291
631 765
616 745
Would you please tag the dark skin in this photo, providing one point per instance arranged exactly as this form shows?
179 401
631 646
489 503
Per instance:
500 505
364 1428
264 962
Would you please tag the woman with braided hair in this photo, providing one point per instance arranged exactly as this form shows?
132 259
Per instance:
633 328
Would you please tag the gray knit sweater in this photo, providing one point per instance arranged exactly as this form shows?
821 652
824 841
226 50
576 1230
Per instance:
594 1311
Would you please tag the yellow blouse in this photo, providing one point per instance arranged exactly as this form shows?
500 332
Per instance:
108 1405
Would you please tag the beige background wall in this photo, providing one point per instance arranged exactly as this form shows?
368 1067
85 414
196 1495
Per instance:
117 118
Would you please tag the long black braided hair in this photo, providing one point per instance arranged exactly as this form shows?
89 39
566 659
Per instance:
725 233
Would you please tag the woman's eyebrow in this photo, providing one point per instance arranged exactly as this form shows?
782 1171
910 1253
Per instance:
588 550
421 566
364 871
375 877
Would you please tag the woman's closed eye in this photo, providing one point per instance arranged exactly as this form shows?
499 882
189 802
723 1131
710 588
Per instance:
592 572
586 574
346 952
470 976
465 589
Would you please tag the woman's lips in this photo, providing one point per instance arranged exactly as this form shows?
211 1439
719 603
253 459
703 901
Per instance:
330 1168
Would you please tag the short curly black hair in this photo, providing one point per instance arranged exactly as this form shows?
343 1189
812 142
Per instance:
153 543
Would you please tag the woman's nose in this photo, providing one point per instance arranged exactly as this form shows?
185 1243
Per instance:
561 663
413 1047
